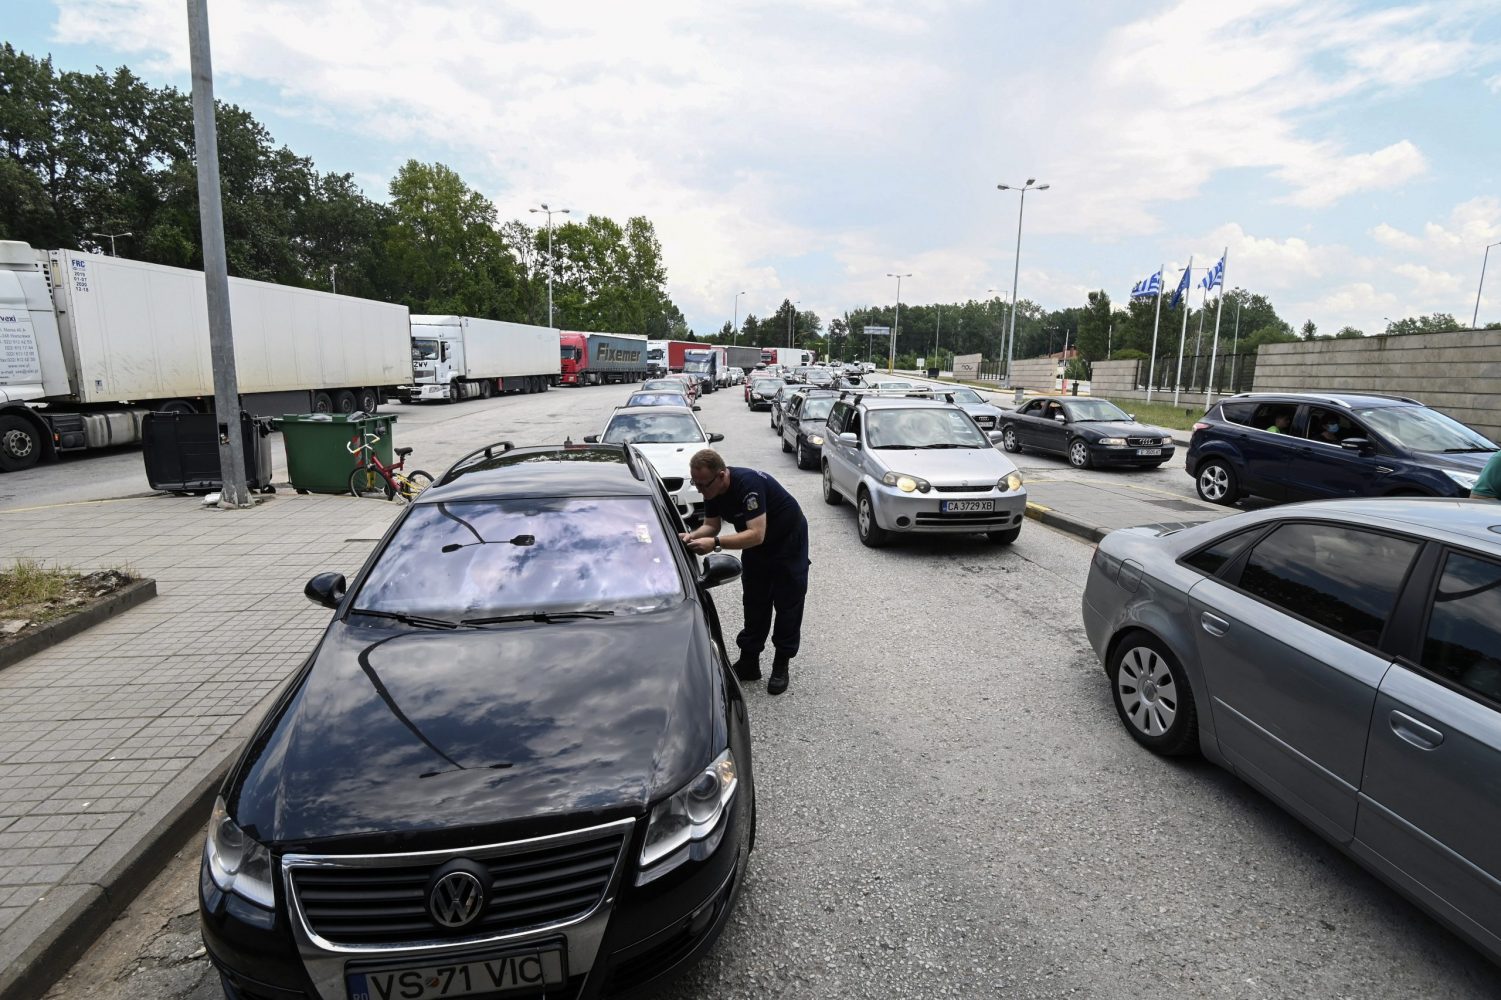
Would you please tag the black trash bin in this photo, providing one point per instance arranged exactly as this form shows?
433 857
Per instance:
182 452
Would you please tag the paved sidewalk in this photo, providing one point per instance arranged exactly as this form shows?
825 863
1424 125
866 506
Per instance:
111 742
1093 510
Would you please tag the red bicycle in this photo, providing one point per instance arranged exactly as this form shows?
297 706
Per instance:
372 478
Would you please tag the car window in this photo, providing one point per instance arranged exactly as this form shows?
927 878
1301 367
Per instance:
1094 409
966 396
817 409
1213 557
651 428
1031 409
1344 579
492 557
657 399
1277 417
922 428
837 416
1422 429
1330 426
1239 413
1463 641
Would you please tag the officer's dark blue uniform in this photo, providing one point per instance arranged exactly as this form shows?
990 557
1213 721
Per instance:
774 573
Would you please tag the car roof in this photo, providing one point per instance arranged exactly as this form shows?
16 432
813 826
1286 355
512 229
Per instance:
1476 523
567 470
654 410
1349 400
903 403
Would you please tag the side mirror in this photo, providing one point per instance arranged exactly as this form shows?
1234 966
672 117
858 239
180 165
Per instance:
1361 445
718 568
326 589
849 437
696 407
1061 419
1130 416
996 437
715 437
592 439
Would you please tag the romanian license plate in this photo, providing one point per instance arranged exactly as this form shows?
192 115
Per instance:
1149 451
529 972
967 506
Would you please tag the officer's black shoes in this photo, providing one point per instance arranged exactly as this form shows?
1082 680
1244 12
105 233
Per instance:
778 682
748 667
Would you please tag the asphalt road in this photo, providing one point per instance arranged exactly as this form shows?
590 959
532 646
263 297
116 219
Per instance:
948 804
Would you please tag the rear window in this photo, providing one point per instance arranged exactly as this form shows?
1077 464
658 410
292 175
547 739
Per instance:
495 557
1238 413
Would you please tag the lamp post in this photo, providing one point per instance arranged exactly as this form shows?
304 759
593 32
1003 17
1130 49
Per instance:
1474 320
114 236
735 329
1031 185
549 212
333 278
897 326
791 312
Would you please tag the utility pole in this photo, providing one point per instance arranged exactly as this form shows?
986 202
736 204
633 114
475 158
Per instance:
550 212
333 277
114 236
1474 320
215 265
897 325
735 329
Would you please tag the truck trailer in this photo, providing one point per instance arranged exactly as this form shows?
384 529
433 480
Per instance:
706 362
90 344
744 358
666 356
462 357
787 357
598 358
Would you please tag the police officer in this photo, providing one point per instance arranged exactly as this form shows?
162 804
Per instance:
773 534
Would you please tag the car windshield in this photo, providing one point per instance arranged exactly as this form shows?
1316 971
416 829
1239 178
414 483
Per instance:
768 385
483 558
424 350
966 396
663 398
652 428
922 428
817 408
1095 409
1422 429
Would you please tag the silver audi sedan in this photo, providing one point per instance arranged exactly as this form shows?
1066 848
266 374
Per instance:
1344 657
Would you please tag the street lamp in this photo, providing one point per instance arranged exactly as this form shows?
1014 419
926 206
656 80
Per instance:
549 211
1475 320
333 278
114 236
897 326
735 329
791 312
1031 185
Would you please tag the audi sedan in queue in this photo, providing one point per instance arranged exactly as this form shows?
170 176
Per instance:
1088 432
516 763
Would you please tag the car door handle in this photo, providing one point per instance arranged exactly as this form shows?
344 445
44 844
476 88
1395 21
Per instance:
1214 624
1414 732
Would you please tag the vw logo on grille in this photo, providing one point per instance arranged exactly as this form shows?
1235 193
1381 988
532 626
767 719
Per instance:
456 899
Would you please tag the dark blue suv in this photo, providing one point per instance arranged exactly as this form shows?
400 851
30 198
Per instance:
1314 446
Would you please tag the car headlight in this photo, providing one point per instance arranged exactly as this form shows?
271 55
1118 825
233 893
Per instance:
1112 442
816 440
688 816
1010 483
906 483
235 862
1166 440
1465 479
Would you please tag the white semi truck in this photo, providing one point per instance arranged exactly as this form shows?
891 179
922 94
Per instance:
89 344
461 357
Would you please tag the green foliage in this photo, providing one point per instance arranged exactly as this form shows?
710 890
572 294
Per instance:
1348 333
1128 354
1436 323
1309 331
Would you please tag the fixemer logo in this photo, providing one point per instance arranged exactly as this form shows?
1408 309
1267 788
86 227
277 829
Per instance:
604 352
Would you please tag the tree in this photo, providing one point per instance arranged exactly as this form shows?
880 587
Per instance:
1309 331
1348 333
1094 333
1435 323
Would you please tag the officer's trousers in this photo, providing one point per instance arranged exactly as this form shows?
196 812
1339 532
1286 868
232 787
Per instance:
780 585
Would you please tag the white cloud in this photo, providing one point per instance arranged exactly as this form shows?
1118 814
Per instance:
1472 224
1428 284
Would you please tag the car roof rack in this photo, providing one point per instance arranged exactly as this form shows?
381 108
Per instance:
1328 398
478 454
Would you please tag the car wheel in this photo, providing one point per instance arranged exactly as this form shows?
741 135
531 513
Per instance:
785 446
802 455
1216 483
1078 454
831 496
1152 696
1010 441
872 535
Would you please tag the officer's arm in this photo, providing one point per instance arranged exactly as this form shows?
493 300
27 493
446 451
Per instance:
753 535
708 529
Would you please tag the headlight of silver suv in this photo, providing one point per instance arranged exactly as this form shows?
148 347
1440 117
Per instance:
816 440
1010 483
689 817
235 862
906 483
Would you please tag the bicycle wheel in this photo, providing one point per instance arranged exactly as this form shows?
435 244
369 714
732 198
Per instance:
367 482
413 483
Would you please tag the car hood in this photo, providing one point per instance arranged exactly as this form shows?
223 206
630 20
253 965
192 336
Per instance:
1472 462
670 459
398 731
949 466
1121 428
981 409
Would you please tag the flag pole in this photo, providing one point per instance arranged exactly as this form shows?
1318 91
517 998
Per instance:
1199 339
1182 335
1218 309
1152 365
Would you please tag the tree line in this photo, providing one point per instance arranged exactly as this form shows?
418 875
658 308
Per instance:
83 154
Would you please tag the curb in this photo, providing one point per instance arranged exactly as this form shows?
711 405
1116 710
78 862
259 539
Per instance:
1062 522
53 633
65 923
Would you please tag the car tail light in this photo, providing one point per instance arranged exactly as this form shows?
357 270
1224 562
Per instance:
1200 425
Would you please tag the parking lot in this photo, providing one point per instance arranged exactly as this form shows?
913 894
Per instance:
948 804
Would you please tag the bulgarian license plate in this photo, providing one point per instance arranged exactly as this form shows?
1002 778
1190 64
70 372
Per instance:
1149 451
967 506
530 972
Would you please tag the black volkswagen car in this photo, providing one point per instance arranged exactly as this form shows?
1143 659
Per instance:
516 763
1088 432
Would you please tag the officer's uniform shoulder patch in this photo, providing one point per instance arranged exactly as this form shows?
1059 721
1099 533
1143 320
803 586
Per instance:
752 502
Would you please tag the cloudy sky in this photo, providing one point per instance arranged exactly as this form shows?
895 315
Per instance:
1347 153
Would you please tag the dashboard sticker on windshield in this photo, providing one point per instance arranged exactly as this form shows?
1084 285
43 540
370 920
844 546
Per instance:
643 534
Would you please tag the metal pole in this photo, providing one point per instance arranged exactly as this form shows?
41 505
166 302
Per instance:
1152 367
215 264
1183 334
1235 346
735 331
1199 340
1474 320
1109 339
1214 351
1016 271
549 270
936 331
333 278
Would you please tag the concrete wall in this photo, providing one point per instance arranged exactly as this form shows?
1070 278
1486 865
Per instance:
1119 380
1457 373
1041 373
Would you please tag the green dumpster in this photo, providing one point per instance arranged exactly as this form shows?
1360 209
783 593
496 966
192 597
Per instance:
318 455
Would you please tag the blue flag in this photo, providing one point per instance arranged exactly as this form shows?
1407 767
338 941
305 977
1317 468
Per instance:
1148 287
1182 288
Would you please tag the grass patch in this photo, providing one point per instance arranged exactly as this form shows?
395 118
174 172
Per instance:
32 594
28 582
1178 418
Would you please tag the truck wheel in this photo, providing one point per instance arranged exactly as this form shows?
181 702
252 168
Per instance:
20 444
369 400
344 402
322 402
486 389
176 406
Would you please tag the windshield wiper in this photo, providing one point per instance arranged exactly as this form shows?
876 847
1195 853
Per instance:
1466 451
949 444
419 620
545 617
